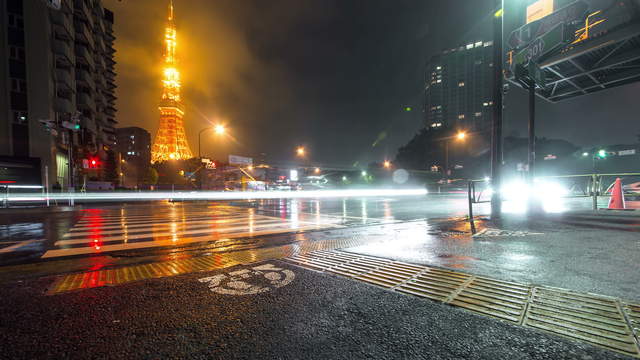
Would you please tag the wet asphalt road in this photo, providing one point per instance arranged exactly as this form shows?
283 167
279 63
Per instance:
315 316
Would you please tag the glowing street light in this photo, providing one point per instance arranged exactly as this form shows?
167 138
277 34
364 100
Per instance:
460 136
220 129
317 170
364 173
387 164
300 151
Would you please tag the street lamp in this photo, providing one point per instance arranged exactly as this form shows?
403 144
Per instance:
219 130
387 164
300 151
460 136
317 170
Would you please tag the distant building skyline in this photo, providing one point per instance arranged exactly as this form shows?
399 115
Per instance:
134 146
458 88
58 66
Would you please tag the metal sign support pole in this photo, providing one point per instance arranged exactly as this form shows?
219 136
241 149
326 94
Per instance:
496 134
531 158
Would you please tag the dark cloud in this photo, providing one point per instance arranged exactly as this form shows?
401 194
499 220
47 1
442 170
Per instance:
331 74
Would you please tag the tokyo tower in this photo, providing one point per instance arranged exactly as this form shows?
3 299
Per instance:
170 142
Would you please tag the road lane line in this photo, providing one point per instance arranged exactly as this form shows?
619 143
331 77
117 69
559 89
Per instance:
163 243
161 226
17 246
197 230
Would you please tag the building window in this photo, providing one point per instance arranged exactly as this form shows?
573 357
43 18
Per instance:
18 85
478 114
461 116
16 53
461 84
485 104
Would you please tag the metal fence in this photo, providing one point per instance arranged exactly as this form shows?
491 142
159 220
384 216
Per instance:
594 186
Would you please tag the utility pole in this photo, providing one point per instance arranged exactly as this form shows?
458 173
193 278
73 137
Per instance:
531 158
496 124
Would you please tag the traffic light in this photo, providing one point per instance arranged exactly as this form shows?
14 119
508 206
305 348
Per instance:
93 163
602 154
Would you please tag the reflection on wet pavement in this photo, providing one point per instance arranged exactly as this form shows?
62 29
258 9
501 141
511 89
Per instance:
100 231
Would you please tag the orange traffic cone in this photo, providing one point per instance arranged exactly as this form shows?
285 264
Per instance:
617 197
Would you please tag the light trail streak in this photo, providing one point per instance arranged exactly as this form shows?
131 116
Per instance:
218 195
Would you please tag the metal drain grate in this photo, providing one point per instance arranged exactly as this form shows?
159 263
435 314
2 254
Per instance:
633 315
590 318
436 284
594 319
502 299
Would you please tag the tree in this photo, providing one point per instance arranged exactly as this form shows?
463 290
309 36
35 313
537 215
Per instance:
150 176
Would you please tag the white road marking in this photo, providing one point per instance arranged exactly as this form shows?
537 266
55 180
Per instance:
155 227
117 231
17 245
250 281
197 230
166 242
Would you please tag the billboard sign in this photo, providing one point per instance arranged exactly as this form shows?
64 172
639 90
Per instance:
539 9
523 36
240 160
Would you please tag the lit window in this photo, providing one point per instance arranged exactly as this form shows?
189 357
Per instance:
439 106
478 114
132 137
485 104
479 44
461 84
439 81
469 46
461 116
439 68
488 43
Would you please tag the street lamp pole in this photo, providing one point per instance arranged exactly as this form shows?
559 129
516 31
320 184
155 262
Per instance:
446 160
496 133
200 133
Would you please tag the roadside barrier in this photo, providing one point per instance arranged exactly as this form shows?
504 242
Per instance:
12 191
594 186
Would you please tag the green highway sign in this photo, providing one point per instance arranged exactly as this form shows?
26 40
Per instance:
541 46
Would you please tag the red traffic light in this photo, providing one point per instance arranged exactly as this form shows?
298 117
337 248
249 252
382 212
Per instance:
92 163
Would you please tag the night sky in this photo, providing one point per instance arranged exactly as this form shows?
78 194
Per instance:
333 75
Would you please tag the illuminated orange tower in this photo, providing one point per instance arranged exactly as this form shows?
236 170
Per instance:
170 142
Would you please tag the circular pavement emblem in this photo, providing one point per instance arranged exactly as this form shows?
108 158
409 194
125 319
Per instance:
255 280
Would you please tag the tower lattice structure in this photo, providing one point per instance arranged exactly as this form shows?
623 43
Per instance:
170 142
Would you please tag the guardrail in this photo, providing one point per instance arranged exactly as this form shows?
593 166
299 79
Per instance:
43 194
577 186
